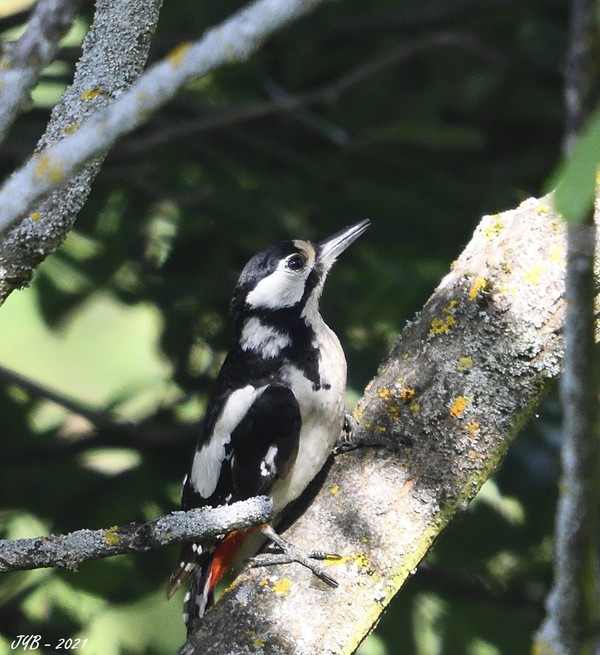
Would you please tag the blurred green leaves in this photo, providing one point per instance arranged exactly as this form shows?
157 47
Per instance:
575 179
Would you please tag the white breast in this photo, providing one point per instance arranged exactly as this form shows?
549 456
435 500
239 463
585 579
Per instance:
264 339
322 412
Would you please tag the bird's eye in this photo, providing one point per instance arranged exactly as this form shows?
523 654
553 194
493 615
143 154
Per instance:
295 262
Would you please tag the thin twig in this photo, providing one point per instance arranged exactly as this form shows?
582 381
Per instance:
70 550
477 589
94 416
147 437
414 17
327 94
106 430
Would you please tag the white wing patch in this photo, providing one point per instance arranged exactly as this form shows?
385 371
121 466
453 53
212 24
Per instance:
206 467
265 339
267 465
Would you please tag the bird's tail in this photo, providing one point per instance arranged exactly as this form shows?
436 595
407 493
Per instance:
206 567
199 598
190 557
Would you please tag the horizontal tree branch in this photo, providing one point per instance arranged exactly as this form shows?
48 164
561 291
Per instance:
70 550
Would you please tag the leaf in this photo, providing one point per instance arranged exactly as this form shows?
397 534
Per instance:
575 179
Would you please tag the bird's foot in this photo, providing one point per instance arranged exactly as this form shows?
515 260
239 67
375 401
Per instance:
291 553
352 437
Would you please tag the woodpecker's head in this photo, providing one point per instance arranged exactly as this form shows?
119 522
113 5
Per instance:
290 275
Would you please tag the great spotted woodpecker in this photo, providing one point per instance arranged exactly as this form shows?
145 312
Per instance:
277 407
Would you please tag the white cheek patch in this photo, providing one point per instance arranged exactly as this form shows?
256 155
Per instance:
265 339
206 467
283 288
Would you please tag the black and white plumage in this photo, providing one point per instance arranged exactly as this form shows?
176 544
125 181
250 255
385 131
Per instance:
277 406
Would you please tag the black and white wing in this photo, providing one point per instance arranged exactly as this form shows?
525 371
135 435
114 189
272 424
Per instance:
265 442
252 443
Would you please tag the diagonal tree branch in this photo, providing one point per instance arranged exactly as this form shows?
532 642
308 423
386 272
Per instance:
70 550
23 60
95 416
114 53
236 39
414 17
105 429
457 387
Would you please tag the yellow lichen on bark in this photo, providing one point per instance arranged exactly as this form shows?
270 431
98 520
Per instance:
459 405
51 170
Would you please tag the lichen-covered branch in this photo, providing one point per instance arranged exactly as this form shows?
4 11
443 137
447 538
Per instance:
22 60
235 39
453 393
114 53
70 550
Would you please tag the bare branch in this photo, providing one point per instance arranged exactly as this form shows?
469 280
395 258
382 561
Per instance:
414 17
114 53
234 40
70 550
573 605
582 68
150 436
105 429
23 60
37 390
327 93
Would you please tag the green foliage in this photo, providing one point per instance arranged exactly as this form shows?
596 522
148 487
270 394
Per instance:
575 179
130 316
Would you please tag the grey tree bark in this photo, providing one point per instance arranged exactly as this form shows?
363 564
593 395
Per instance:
23 60
70 550
114 53
96 110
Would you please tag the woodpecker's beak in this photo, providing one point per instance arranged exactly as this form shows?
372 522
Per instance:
329 249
